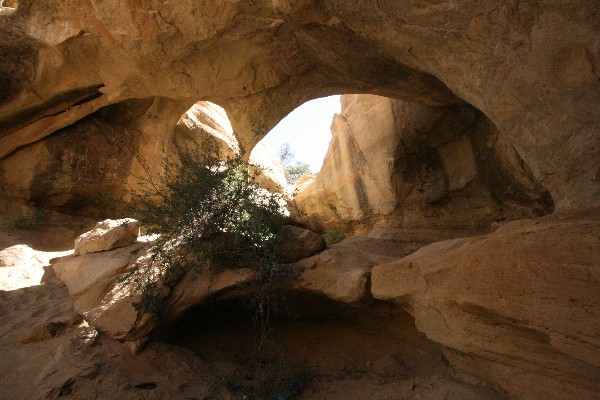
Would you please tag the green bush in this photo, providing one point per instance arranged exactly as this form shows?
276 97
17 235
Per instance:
29 222
333 236
294 172
211 213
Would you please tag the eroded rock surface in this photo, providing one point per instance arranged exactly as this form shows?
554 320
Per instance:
117 308
531 69
410 171
509 97
89 166
208 118
108 235
343 271
295 243
518 307
81 272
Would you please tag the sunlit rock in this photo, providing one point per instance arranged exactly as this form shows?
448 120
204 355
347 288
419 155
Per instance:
108 235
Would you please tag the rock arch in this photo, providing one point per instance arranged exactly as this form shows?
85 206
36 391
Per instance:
526 73
260 59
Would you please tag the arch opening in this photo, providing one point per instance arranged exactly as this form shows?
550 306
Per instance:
413 170
301 139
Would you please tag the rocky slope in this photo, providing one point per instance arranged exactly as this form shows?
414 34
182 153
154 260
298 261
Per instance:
332 350
521 299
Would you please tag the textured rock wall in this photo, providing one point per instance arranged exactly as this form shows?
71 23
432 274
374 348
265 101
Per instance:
408 170
518 308
86 166
531 68
510 107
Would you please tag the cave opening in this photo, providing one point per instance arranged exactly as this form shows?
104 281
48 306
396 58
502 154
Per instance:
471 117
442 172
311 341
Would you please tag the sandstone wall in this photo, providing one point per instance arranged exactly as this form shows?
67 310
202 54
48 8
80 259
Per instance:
509 97
518 307
90 166
531 68
402 169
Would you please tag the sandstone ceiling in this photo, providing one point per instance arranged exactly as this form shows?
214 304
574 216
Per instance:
531 67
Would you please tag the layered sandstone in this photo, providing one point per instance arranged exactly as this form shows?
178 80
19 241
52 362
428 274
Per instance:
407 170
90 166
518 308
495 117
530 68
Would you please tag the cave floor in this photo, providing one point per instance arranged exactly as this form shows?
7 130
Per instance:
318 349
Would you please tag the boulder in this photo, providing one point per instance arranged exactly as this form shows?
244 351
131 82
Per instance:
79 273
110 307
108 235
518 308
295 243
17 255
343 271
114 305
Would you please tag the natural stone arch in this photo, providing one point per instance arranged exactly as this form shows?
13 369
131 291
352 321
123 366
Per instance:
260 59
531 69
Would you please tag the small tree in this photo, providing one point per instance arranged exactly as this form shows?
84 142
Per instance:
210 213
292 169
286 154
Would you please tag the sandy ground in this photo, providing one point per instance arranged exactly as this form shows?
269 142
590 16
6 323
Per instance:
322 350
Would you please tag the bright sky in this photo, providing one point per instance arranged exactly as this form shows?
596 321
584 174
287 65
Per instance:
307 131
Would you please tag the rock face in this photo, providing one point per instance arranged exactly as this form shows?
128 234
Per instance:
443 172
343 272
114 305
205 117
79 273
108 235
295 243
506 127
62 171
529 68
518 308
109 279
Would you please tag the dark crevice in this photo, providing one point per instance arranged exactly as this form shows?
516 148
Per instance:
307 328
